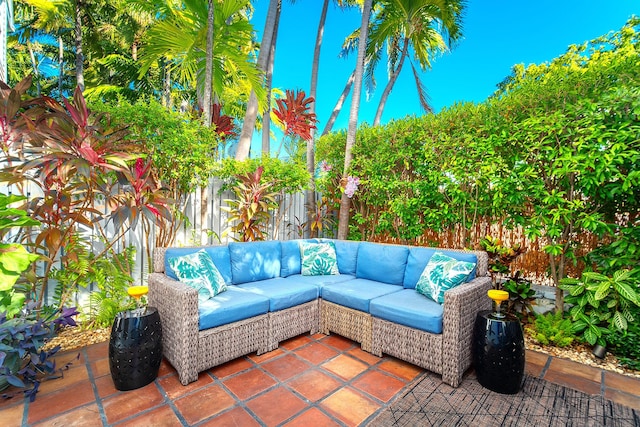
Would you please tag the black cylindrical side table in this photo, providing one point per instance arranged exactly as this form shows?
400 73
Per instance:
135 348
498 352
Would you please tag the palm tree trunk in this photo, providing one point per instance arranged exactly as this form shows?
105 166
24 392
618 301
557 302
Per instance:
339 104
244 143
60 65
166 85
345 202
208 73
78 38
35 67
310 194
390 83
266 117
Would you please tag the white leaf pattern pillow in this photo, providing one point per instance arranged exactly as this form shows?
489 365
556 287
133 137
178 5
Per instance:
441 274
318 259
198 271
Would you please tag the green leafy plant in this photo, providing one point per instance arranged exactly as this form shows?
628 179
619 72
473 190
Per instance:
14 258
552 329
601 304
521 296
112 276
249 213
624 344
110 273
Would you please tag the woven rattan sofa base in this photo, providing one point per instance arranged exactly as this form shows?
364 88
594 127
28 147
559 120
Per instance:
448 353
411 345
349 323
190 350
291 322
227 342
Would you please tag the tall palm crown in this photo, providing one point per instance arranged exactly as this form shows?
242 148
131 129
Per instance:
426 27
180 37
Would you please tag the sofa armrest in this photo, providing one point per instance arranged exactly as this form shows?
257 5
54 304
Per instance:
461 304
177 305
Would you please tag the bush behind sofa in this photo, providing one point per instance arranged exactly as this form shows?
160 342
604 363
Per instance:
371 301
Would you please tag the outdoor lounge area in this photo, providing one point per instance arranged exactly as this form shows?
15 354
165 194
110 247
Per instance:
192 233
319 380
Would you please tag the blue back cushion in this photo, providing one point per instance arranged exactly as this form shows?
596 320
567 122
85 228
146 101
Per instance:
347 253
382 263
291 262
254 261
219 255
419 257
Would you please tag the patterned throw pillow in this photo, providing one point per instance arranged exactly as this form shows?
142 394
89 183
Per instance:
441 274
318 259
198 271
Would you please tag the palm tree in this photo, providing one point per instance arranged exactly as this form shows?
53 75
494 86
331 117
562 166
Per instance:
310 194
116 30
208 75
79 8
179 39
244 144
427 27
52 18
6 25
345 202
266 117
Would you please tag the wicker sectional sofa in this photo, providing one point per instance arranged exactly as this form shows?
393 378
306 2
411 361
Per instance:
372 301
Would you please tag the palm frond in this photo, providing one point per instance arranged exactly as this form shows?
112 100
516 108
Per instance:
423 95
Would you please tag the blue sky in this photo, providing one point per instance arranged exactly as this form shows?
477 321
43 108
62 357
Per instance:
497 35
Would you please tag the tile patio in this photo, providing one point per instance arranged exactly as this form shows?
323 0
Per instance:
309 381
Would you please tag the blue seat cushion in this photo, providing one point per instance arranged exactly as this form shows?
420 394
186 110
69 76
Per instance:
409 308
382 263
357 293
231 306
419 258
254 261
219 255
320 281
347 252
282 293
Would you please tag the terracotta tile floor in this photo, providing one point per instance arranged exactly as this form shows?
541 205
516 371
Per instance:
309 381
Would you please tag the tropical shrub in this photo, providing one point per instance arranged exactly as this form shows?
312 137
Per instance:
110 273
76 164
500 256
184 152
624 344
285 177
249 213
552 329
553 153
521 296
601 305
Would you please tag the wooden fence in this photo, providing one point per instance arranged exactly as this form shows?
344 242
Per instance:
205 223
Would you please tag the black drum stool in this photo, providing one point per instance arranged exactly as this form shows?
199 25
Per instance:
135 348
498 351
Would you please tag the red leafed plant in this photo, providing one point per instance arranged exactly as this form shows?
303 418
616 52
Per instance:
249 213
75 165
293 114
223 123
